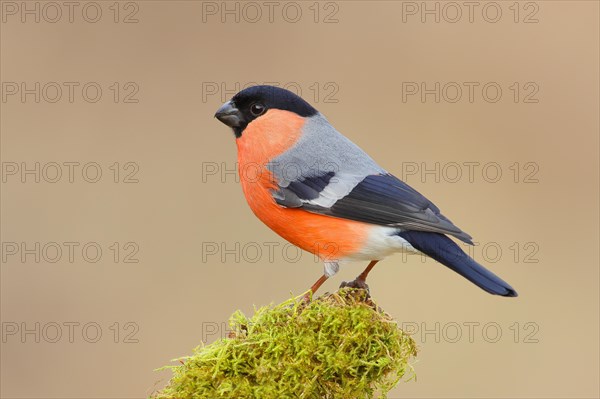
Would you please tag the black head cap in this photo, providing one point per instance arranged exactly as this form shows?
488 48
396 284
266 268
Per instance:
254 101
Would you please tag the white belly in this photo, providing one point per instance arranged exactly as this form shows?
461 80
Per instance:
382 242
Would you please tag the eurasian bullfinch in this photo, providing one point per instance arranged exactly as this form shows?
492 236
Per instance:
321 192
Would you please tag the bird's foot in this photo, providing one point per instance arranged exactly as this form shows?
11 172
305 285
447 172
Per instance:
307 297
357 283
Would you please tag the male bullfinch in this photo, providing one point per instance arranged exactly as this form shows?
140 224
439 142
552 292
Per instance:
321 192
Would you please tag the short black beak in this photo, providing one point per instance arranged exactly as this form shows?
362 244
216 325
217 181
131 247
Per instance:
229 115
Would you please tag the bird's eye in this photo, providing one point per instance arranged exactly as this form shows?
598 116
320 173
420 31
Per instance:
257 109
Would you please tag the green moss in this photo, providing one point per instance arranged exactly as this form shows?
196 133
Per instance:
339 345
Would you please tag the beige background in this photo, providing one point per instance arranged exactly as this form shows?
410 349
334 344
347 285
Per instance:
176 298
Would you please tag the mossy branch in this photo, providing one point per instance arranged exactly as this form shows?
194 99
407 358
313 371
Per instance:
339 345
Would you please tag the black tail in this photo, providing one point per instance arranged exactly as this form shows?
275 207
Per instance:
448 253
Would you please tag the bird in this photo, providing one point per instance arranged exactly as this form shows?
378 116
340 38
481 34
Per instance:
321 192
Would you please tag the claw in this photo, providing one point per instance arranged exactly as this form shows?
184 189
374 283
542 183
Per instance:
356 283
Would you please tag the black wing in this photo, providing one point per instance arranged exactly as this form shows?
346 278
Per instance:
378 199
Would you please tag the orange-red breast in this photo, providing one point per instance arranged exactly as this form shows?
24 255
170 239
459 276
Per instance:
321 192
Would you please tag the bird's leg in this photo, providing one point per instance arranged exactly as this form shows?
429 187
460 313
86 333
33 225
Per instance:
318 283
361 280
316 286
